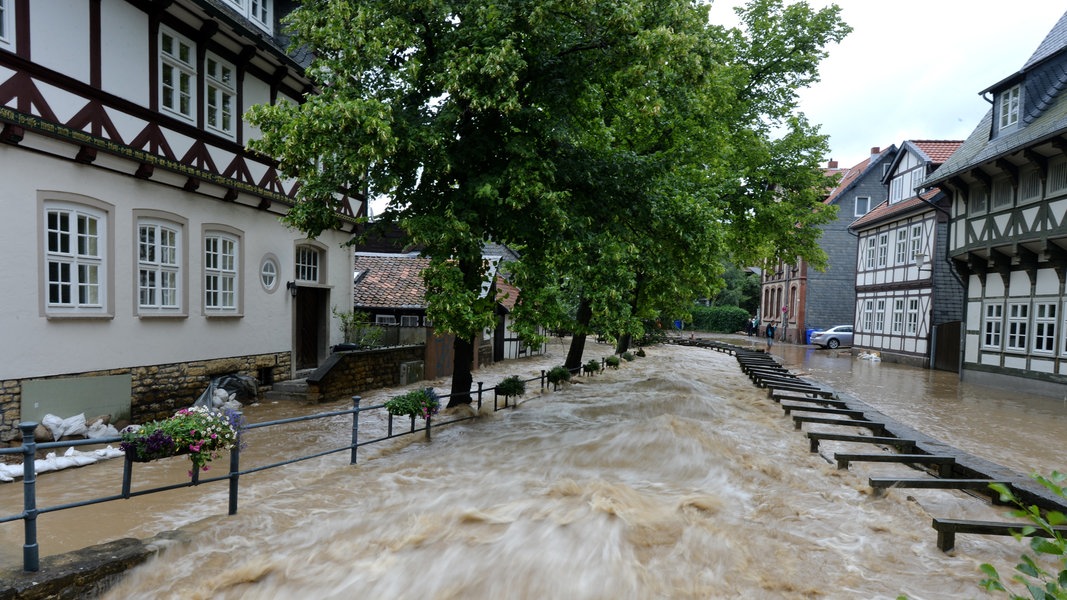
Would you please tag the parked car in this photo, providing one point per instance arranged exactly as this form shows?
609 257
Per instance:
834 337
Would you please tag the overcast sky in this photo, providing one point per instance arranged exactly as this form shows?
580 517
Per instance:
912 69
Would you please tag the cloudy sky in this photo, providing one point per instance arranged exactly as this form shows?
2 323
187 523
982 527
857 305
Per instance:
912 69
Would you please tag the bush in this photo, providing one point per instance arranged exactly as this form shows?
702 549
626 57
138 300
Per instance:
511 386
720 319
1040 583
558 375
627 356
641 352
613 361
422 403
592 366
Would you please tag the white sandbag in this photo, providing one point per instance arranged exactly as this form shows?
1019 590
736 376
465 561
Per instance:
78 458
109 452
74 426
100 429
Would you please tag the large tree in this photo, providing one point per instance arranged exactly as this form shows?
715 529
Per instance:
601 137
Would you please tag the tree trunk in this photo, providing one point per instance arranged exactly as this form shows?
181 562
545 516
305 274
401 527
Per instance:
462 378
584 316
624 343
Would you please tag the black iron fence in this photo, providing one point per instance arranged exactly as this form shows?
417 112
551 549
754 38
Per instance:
395 427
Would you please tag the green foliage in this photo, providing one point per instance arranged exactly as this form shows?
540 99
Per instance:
1040 583
613 361
720 319
628 356
558 375
200 432
416 403
741 287
511 386
591 367
357 329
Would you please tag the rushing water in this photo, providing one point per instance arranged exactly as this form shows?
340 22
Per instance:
672 477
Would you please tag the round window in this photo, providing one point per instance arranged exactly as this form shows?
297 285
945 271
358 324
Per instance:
268 273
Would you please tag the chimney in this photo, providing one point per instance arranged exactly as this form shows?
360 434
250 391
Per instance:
832 164
875 151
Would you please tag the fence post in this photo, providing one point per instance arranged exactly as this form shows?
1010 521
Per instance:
480 398
355 426
235 469
542 380
30 552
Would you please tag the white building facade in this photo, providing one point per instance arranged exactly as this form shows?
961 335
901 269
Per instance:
143 240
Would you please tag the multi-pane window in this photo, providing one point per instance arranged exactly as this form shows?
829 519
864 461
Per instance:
912 325
384 320
917 177
74 257
220 272
221 96
883 249
978 201
158 266
992 325
257 11
1018 321
1045 327
409 321
307 264
898 316
916 240
7 24
902 246
1009 107
268 273
177 74
879 315
870 252
868 315
863 205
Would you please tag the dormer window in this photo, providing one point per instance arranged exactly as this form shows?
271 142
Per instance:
256 11
1009 107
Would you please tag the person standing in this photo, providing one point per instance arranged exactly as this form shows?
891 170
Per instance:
770 334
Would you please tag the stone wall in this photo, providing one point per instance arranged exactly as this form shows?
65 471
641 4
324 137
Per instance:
351 373
157 391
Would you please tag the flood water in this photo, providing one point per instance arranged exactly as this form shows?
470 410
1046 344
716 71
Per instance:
672 477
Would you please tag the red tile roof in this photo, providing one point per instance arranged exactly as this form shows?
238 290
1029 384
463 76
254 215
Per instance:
390 281
937 150
507 295
885 211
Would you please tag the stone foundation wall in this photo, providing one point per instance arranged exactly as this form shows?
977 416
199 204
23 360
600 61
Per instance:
347 374
157 391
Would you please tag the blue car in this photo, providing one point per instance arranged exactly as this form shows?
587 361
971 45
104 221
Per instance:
834 337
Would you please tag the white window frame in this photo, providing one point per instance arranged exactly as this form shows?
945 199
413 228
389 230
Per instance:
179 60
870 252
912 322
222 273
1010 102
916 238
7 25
978 201
220 96
75 245
865 202
159 266
384 320
902 246
896 189
868 315
879 315
1016 337
307 264
259 12
1003 195
409 320
269 273
883 249
1045 325
1057 176
1030 186
992 326
898 317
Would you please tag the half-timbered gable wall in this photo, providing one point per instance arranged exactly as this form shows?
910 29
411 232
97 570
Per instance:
143 238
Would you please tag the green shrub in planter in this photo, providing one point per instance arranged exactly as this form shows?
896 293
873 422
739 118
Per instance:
592 366
613 361
628 356
416 403
511 386
558 375
641 352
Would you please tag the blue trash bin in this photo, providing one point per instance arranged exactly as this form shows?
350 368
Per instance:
807 335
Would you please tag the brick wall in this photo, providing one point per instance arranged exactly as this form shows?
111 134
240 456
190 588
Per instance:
347 374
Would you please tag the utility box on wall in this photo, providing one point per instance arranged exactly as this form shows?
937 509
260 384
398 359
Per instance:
411 371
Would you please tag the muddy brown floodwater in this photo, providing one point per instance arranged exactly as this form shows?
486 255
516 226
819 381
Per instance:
672 477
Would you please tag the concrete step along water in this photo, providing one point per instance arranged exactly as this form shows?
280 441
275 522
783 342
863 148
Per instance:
293 389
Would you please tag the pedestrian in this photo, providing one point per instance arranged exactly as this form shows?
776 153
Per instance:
755 325
770 334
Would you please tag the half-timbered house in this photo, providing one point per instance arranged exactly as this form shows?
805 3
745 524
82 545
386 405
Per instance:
1008 192
799 298
908 299
141 239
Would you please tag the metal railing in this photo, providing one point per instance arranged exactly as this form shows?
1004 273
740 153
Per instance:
30 447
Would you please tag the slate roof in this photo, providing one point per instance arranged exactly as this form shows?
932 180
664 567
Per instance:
853 175
389 281
1044 77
